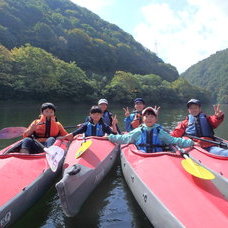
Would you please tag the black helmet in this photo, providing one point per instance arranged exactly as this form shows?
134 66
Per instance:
193 101
47 105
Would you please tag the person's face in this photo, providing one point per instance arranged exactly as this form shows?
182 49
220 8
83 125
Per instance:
194 109
48 112
149 120
95 116
103 107
139 106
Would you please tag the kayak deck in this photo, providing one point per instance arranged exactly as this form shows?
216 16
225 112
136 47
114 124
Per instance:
17 172
165 187
82 175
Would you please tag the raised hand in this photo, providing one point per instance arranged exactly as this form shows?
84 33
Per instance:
127 112
156 108
218 112
33 127
114 120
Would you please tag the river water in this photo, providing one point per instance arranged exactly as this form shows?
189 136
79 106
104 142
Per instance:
111 204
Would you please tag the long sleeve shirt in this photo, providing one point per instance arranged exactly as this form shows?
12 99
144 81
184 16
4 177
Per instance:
179 131
134 136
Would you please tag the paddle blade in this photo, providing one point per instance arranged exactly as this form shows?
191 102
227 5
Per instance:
196 170
12 132
83 148
54 155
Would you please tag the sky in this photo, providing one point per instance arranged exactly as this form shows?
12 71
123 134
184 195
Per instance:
180 32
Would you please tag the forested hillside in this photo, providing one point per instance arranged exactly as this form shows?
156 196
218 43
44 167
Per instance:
73 33
54 49
212 75
32 73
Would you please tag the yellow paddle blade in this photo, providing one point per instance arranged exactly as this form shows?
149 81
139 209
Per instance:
196 170
83 148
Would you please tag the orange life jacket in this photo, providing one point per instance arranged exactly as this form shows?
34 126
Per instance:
46 129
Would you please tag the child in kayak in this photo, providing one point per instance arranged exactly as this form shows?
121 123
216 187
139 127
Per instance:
200 125
45 130
150 137
134 119
106 115
95 126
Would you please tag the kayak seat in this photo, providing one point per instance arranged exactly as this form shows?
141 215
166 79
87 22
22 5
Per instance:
14 149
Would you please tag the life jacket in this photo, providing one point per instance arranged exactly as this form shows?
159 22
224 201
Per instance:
107 118
150 142
46 128
199 126
94 129
137 119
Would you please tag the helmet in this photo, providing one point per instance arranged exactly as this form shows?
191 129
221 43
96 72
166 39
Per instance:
149 110
139 100
193 101
48 105
102 101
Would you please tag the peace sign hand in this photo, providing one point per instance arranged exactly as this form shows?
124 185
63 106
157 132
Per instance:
114 120
218 112
127 112
156 109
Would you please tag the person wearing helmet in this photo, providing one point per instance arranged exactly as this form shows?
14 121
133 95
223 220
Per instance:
201 125
150 137
106 115
45 130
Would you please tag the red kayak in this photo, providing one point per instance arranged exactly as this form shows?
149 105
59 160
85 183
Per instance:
218 165
81 175
170 196
24 179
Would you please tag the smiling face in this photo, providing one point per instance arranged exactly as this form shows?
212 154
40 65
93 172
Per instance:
139 106
149 119
194 109
95 117
48 112
103 106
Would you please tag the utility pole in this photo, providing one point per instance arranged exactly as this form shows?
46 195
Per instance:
156 47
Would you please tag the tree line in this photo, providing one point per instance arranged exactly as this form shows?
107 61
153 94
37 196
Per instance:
29 72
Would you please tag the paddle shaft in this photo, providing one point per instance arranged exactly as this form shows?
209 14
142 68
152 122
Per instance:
183 152
207 140
14 132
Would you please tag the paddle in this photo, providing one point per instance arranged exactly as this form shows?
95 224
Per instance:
54 155
11 132
193 168
14 132
84 146
222 144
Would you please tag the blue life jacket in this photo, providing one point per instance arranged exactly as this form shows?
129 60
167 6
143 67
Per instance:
199 126
149 141
128 120
98 129
107 117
